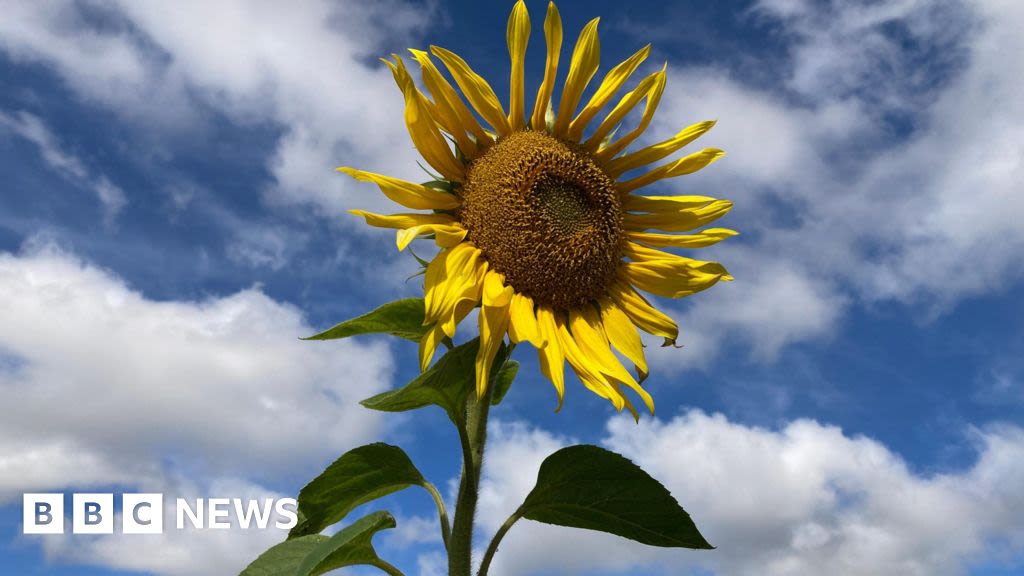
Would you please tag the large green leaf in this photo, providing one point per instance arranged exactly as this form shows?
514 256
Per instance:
315 554
349 547
447 384
284 558
402 318
590 487
358 476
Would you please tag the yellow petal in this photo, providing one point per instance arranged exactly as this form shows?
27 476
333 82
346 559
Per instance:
408 194
428 345
445 235
448 101
641 253
680 219
702 239
623 335
664 204
653 98
585 325
552 362
648 89
476 89
553 36
428 140
464 297
642 314
687 165
523 326
585 59
518 35
613 80
674 278
629 405
445 275
588 373
450 123
493 325
402 220
644 156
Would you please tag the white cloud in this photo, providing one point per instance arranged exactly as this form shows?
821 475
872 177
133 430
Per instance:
803 499
770 306
107 386
835 211
871 50
102 386
432 564
412 531
71 167
309 69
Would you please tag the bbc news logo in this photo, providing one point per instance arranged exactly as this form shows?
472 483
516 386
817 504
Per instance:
144 513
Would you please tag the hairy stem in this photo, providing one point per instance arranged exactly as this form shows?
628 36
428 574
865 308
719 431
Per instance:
473 436
442 512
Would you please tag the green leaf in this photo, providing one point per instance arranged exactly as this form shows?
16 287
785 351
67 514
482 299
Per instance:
503 381
590 487
358 476
285 557
402 318
352 545
447 384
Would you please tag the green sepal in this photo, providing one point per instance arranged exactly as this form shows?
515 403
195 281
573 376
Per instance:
503 381
442 185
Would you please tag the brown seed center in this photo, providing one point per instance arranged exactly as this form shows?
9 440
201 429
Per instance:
546 216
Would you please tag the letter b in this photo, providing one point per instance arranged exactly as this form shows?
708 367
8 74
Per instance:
93 514
43 514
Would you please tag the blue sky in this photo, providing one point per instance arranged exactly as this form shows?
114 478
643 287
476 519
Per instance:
170 222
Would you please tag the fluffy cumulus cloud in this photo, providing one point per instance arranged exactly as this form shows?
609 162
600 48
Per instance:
885 165
309 69
802 499
101 386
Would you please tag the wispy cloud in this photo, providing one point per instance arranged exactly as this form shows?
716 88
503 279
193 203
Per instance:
65 163
863 176
305 69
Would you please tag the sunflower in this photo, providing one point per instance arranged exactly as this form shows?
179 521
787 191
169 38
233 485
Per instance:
537 218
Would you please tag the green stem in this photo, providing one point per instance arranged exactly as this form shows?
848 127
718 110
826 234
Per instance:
385 566
485 564
473 436
442 512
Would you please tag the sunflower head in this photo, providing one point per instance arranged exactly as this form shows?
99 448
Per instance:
537 214
543 211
